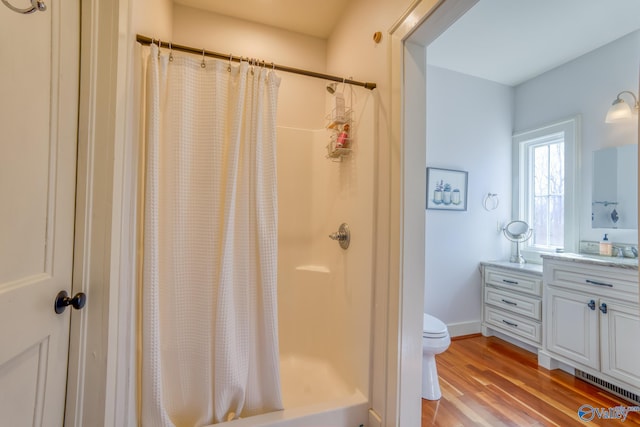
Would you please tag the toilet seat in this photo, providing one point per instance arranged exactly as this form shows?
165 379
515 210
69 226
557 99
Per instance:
433 327
433 336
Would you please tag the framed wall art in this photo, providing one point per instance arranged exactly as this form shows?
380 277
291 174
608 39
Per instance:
447 189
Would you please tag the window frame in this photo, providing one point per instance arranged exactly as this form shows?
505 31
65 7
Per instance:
522 189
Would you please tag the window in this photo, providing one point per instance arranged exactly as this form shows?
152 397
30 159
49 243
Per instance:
546 176
546 185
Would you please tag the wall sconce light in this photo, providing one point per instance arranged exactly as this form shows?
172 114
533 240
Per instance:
620 110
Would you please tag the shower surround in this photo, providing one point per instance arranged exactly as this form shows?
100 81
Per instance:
324 292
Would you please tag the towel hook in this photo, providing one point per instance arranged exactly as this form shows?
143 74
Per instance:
35 5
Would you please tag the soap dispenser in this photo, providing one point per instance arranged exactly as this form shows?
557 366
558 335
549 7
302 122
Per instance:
606 247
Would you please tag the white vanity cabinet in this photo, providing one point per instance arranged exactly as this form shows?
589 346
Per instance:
592 319
572 326
620 338
512 301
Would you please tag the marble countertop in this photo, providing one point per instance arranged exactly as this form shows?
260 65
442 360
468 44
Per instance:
607 261
526 267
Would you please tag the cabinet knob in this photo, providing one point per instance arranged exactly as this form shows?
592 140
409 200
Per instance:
592 305
603 308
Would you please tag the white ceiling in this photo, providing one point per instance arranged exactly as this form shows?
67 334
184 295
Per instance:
506 41
511 41
312 17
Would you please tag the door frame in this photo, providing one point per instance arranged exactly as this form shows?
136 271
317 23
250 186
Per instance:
101 380
406 203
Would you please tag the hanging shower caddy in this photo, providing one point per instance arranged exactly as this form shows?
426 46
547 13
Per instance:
340 125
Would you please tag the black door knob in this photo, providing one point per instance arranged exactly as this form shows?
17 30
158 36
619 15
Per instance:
63 300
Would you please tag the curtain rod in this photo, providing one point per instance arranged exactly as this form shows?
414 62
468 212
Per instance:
148 40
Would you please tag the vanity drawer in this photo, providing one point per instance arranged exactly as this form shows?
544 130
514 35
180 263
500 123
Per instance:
508 279
608 281
519 304
526 328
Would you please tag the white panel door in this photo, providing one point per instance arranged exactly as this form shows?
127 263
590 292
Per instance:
39 60
572 329
620 348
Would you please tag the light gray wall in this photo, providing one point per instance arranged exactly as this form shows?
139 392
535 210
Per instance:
586 86
469 125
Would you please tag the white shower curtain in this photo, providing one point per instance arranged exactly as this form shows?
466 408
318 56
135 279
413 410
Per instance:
209 336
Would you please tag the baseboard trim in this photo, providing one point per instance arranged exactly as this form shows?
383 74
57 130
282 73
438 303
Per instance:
523 345
464 337
464 329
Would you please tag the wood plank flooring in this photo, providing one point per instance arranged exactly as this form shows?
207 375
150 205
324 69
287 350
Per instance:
486 381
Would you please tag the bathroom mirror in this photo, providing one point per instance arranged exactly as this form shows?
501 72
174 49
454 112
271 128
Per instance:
516 229
518 232
614 202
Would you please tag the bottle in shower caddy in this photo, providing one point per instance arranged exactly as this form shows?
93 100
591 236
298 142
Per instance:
342 141
339 110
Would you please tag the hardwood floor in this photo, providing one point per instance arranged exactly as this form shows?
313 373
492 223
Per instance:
486 381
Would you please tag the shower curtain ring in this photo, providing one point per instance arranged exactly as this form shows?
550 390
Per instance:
159 47
230 59
170 53
202 64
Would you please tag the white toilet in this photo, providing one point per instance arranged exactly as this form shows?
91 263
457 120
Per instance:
435 340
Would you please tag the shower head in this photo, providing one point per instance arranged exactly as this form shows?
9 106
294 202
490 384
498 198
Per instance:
331 87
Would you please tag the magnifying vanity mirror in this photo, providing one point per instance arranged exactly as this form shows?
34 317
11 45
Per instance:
614 202
518 232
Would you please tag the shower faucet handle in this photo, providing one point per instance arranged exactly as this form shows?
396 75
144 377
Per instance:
342 236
